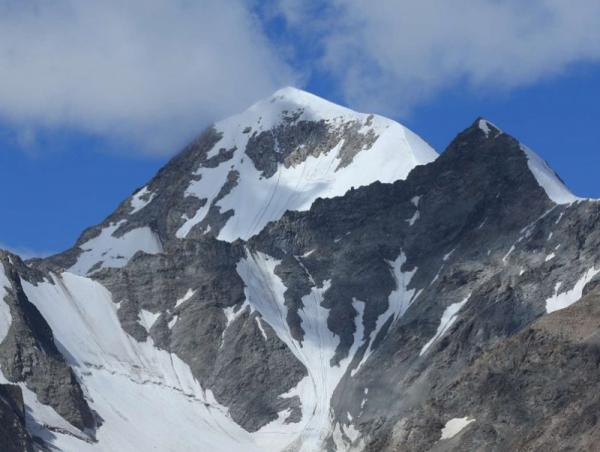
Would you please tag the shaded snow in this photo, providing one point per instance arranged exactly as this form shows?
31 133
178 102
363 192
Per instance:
565 299
39 415
547 179
454 426
256 200
448 318
113 251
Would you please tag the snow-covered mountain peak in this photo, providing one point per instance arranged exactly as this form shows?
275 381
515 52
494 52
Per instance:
291 98
286 151
290 106
281 153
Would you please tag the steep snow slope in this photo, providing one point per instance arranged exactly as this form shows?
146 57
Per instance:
147 398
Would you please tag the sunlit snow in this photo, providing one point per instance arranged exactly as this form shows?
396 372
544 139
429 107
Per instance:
113 251
256 200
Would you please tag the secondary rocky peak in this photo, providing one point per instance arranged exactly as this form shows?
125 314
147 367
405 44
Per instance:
499 154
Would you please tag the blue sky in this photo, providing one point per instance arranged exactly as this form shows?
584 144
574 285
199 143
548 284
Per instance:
93 112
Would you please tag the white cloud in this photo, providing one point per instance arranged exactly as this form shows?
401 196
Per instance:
152 73
149 72
392 54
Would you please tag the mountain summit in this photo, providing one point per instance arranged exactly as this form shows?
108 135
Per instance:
303 277
280 154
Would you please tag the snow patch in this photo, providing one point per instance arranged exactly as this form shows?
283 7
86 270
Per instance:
147 318
411 221
260 327
486 126
565 299
454 426
137 203
232 313
448 318
115 252
448 255
189 294
507 255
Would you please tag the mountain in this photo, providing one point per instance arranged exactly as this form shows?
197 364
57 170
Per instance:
280 154
303 277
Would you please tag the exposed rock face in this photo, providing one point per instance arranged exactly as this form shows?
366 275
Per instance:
13 432
29 354
212 330
453 308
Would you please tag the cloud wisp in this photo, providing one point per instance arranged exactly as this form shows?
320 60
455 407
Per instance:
150 72
390 55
